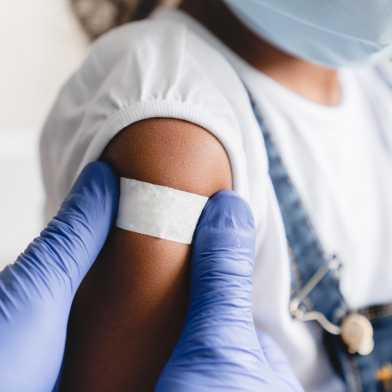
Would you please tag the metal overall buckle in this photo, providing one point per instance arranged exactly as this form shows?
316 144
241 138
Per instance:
356 330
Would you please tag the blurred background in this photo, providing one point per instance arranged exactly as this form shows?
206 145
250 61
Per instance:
42 44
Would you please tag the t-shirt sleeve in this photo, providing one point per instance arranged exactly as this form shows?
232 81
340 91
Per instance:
135 72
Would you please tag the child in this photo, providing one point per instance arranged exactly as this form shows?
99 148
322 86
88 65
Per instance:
287 103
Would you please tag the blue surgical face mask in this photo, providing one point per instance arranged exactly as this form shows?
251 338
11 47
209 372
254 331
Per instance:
329 32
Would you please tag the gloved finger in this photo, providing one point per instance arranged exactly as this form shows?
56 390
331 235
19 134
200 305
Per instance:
278 362
220 312
69 245
221 273
224 247
218 347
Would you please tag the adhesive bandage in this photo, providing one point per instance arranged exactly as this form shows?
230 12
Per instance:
158 211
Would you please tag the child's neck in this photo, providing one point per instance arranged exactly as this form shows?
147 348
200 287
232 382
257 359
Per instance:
314 82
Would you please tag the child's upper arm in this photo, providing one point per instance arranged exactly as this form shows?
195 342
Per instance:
128 313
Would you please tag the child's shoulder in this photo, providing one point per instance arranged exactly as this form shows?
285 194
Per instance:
166 47
142 39
144 69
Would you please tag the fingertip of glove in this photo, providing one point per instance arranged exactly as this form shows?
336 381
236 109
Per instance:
96 187
226 209
99 170
99 173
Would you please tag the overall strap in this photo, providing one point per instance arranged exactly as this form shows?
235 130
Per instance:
316 293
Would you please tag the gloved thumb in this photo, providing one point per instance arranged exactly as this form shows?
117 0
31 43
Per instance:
66 249
219 345
219 349
223 254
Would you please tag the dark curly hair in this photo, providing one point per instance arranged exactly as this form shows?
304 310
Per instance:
99 16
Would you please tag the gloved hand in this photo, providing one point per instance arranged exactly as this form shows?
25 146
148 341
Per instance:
219 349
36 291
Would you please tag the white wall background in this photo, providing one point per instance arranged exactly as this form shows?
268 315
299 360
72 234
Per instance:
40 45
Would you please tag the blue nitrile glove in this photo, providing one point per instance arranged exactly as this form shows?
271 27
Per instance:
36 291
219 349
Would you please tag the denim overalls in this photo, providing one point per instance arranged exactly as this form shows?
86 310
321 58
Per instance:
358 341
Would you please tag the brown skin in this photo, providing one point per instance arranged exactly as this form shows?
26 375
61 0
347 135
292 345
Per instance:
129 311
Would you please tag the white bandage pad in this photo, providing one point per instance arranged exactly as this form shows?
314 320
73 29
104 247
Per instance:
158 211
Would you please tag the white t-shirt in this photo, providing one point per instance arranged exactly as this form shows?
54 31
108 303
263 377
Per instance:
171 66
